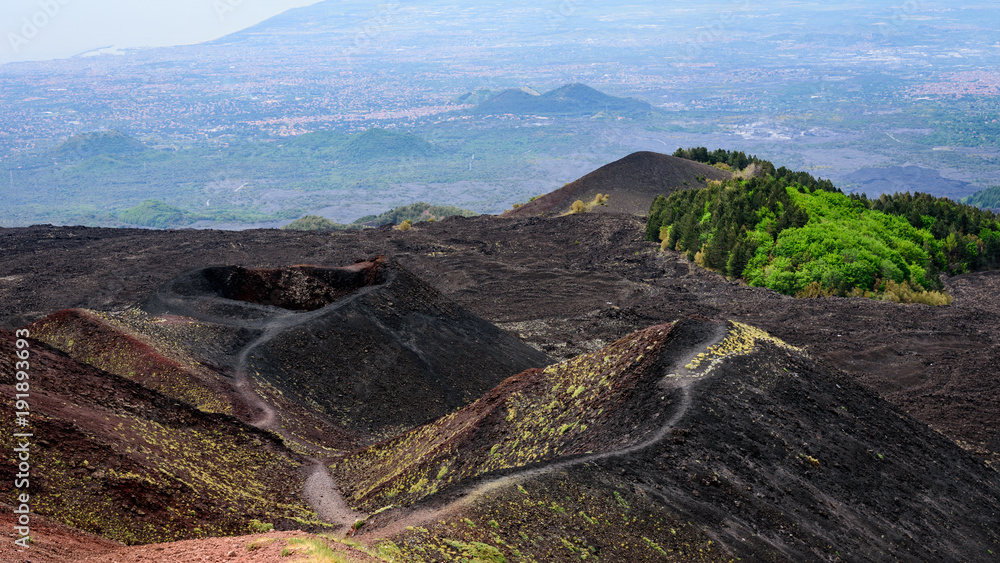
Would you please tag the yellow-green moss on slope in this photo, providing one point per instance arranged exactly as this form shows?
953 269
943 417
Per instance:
535 416
159 483
740 339
134 345
114 458
559 520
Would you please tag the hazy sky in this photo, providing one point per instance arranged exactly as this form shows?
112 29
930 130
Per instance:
48 29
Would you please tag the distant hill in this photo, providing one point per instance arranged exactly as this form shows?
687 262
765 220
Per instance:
312 223
318 140
415 212
572 100
157 214
476 97
98 143
876 181
376 144
516 101
632 182
985 199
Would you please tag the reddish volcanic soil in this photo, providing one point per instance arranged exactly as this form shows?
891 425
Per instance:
58 543
61 544
258 548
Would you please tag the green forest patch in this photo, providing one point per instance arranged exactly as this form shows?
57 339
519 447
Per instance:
985 199
800 236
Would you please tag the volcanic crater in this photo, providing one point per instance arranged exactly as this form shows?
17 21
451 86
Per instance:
297 288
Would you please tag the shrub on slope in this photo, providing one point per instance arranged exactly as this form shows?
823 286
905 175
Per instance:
415 212
312 223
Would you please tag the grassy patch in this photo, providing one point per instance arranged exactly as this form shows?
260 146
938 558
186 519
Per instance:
314 551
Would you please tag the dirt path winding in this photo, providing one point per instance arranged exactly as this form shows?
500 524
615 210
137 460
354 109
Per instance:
682 379
319 490
322 492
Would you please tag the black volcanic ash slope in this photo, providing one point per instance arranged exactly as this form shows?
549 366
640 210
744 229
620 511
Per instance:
370 346
768 454
632 182
783 458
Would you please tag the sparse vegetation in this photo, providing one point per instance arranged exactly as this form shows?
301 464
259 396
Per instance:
156 214
154 469
560 521
258 527
561 405
260 543
134 346
314 550
413 213
313 223
579 206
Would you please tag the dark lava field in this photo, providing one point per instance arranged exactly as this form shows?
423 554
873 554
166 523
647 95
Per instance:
565 285
774 449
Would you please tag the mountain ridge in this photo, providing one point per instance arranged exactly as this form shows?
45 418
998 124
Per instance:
570 100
